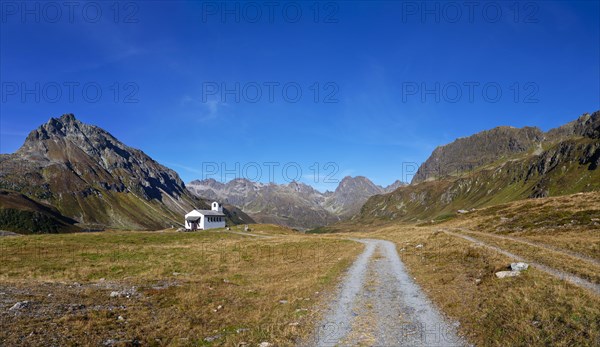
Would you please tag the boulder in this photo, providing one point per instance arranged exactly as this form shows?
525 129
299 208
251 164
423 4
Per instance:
504 274
520 266
19 306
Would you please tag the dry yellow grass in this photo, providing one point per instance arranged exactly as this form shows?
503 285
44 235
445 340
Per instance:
570 222
222 287
554 258
236 288
534 309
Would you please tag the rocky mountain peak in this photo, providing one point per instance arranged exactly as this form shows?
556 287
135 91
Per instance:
587 125
294 204
87 155
397 184
360 183
468 153
93 178
62 126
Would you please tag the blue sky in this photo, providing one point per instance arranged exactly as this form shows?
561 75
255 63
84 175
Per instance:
394 79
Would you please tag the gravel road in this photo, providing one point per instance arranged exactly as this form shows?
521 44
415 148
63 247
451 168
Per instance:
379 304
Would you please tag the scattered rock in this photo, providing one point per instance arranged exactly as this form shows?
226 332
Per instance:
504 274
462 211
242 344
294 324
283 301
520 266
110 342
75 307
419 246
19 306
212 338
266 344
477 280
504 219
124 293
120 318
241 330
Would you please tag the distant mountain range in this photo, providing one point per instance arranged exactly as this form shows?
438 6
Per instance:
71 175
295 204
496 166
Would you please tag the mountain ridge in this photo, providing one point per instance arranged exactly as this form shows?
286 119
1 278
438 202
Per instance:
487 146
564 160
294 204
93 178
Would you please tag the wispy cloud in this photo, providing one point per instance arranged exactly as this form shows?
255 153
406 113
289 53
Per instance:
205 111
184 167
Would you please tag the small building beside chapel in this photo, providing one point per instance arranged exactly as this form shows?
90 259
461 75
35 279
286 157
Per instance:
205 219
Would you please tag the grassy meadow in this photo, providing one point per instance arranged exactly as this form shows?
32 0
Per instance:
227 288
167 288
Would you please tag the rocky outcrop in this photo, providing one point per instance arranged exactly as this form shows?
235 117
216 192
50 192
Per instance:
588 125
467 154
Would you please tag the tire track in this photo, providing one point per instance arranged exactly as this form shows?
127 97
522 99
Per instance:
563 275
566 252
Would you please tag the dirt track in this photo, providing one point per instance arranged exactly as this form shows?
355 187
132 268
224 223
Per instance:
563 275
379 304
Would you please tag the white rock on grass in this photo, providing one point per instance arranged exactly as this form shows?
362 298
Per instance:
265 344
115 294
504 274
519 266
213 338
126 293
19 306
